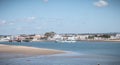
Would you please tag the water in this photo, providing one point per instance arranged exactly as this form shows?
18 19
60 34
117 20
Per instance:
84 53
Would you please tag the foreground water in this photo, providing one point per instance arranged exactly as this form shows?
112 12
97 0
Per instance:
83 53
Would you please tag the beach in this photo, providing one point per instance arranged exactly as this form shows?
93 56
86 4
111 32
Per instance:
12 51
43 53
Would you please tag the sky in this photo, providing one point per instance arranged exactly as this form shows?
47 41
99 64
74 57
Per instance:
60 16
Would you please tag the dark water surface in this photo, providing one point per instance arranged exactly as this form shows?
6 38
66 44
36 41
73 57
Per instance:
84 53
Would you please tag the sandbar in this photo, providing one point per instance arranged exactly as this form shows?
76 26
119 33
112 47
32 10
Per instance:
11 51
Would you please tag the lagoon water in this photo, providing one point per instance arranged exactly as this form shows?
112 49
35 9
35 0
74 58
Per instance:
80 53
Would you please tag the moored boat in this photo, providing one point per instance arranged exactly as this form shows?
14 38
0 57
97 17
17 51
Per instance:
66 41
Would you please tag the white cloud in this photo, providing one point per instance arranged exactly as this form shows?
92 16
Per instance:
19 28
45 1
11 23
3 22
31 18
27 19
101 3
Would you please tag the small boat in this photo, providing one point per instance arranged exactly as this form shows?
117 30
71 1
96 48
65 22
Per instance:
66 41
4 40
19 40
10 40
26 40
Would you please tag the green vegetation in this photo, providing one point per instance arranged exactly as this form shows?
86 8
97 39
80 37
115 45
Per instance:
102 36
91 37
49 34
105 36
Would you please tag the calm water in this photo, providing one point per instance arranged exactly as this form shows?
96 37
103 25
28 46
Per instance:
84 53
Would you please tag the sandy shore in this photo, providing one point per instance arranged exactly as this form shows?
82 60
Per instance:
10 51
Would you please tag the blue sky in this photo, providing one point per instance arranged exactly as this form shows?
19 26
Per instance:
60 16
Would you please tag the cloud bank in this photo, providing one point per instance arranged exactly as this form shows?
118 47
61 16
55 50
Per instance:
101 3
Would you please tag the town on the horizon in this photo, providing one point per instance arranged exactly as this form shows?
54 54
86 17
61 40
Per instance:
52 36
40 16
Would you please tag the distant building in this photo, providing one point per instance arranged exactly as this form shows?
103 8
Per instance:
118 36
37 37
82 37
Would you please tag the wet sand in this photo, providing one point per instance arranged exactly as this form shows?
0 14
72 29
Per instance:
12 51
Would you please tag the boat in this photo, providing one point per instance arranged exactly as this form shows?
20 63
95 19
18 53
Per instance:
19 40
4 40
10 40
66 41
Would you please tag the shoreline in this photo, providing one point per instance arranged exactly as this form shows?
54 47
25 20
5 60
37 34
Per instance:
83 40
75 40
12 51
100 40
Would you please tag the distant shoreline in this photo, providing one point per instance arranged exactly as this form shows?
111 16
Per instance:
77 41
101 40
82 40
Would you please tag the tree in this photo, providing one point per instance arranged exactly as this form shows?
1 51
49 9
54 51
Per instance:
90 37
49 34
105 36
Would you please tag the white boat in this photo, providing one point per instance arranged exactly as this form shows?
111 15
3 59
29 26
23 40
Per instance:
66 41
4 40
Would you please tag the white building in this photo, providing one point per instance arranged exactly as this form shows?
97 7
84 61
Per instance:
112 37
71 38
118 36
57 37
82 37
